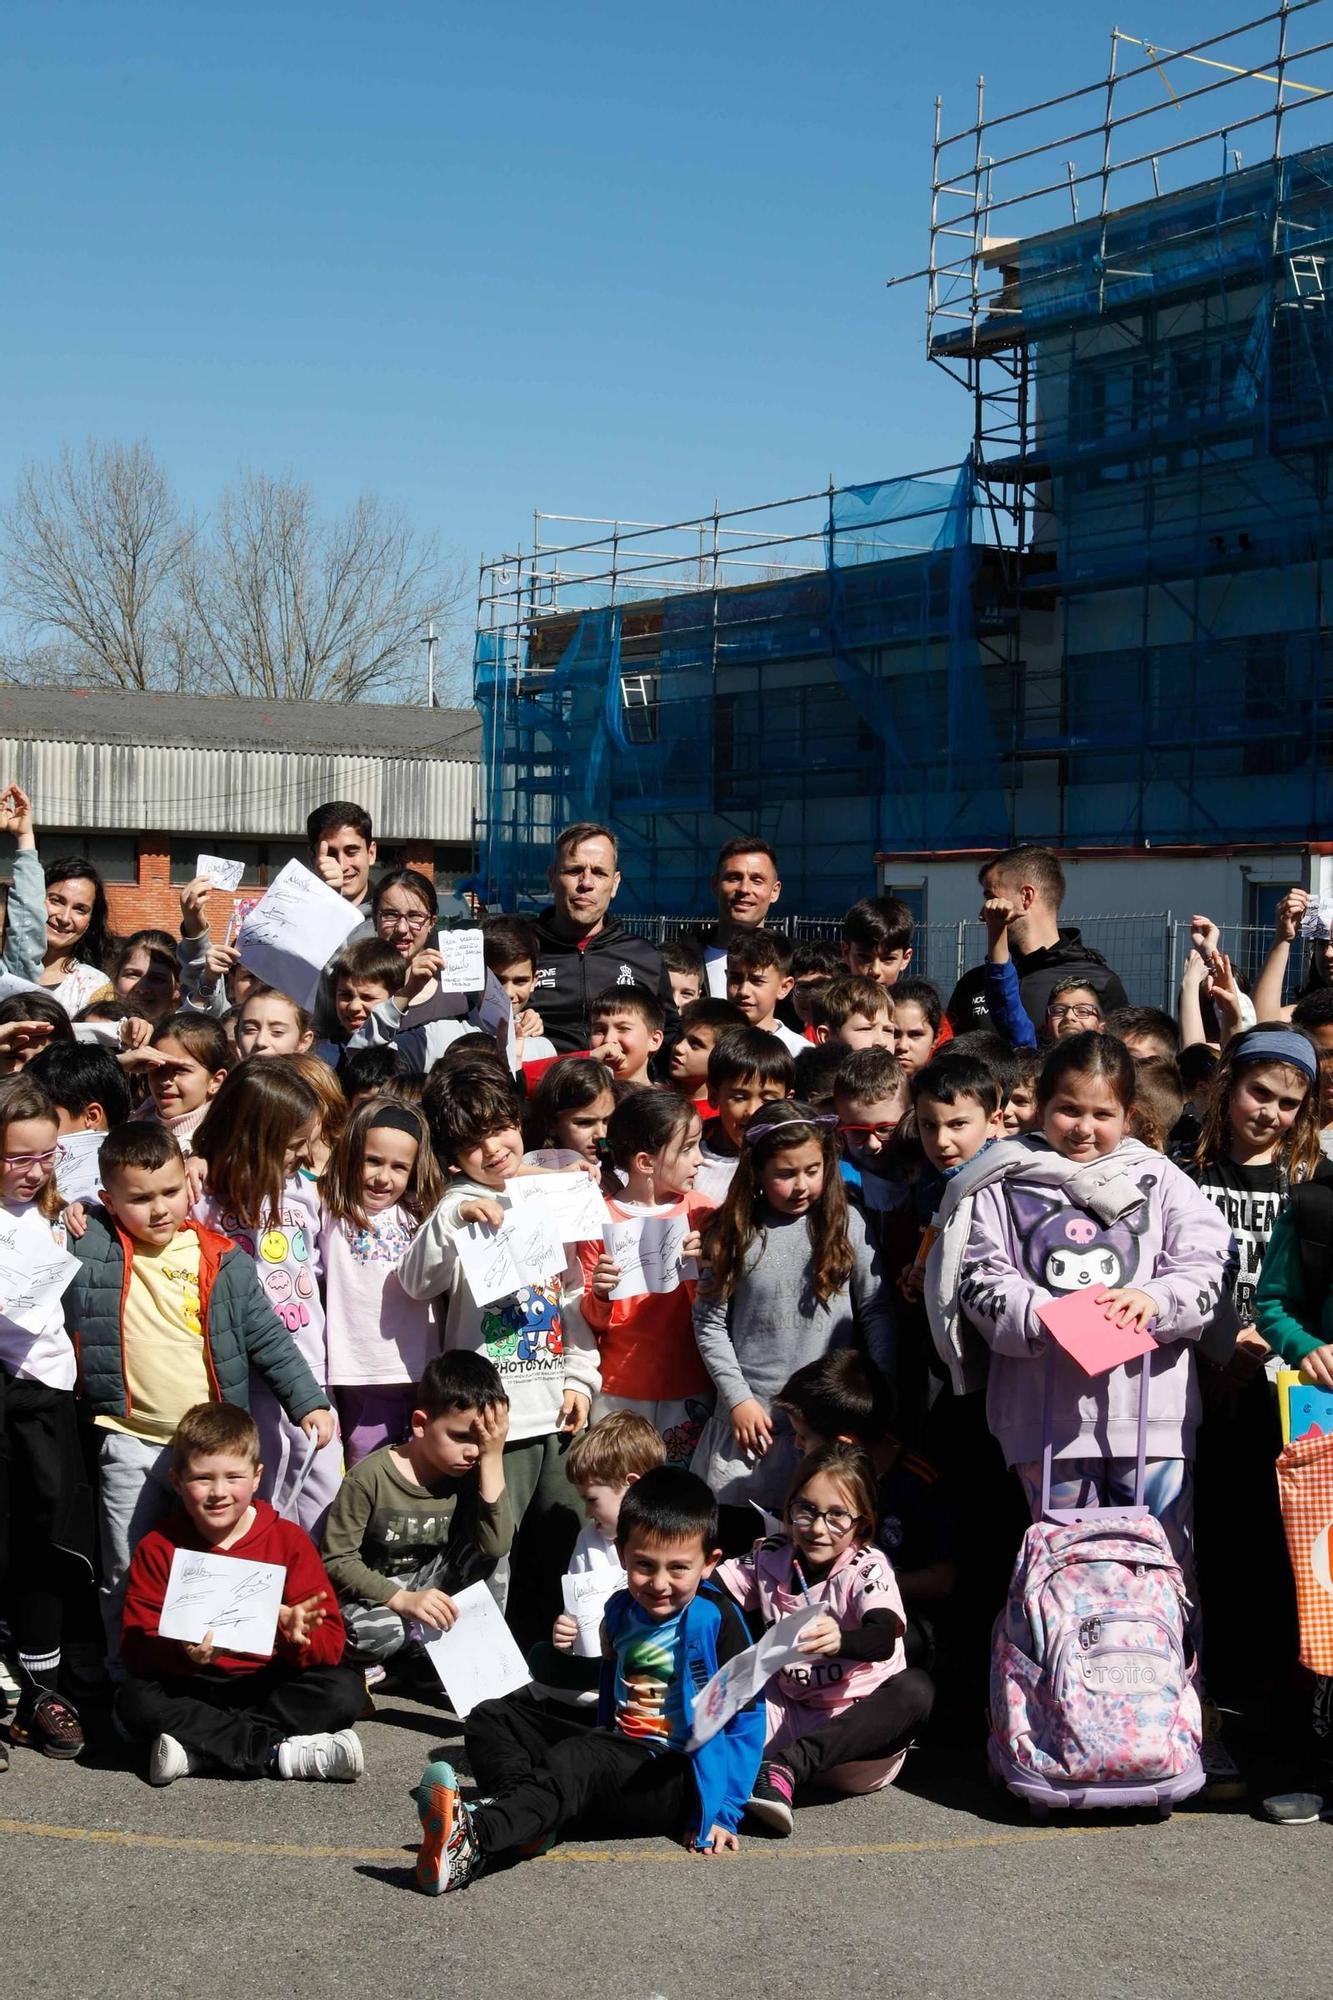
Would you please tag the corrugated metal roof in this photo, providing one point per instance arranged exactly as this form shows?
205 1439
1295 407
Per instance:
228 722
127 786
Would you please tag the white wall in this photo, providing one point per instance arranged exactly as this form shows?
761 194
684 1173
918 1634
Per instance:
1100 885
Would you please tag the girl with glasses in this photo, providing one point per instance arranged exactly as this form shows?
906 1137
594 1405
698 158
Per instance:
405 910
843 1713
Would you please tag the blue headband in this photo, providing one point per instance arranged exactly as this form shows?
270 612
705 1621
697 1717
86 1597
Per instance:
1284 1045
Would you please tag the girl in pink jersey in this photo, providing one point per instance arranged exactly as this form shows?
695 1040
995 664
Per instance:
845 1712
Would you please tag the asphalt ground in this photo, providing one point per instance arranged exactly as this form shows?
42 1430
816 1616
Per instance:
939 1887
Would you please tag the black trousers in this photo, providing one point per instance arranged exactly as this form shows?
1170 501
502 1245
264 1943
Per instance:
45 1509
550 1774
879 1725
237 1718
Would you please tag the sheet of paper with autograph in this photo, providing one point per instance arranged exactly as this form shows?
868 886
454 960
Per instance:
237 1601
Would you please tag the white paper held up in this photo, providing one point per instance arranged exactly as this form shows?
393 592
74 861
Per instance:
235 1600
34 1273
586 1592
749 1673
223 874
478 1658
78 1177
572 1201
1317 918
293 931
524 1250
650 1250
464 967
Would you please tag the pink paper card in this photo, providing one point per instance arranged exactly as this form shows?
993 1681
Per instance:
1079 1325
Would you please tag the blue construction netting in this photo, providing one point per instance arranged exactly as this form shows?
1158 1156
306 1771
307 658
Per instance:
1154 665
763 705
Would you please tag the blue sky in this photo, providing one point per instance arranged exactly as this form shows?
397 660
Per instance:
593 258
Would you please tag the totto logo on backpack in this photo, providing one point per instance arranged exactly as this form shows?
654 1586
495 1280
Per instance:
1092 1696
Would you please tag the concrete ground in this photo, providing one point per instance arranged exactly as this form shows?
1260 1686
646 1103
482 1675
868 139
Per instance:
936 1888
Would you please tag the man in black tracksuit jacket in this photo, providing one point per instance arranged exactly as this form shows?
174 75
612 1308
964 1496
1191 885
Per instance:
1032 881
581 950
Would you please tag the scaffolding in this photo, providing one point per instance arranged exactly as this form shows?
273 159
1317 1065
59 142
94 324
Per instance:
1140 319
687 681
1105 628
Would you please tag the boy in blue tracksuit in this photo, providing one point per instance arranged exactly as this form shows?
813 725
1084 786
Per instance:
663 1638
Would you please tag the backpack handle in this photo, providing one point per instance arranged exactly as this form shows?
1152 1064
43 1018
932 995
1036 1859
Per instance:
285 1506
1066 1514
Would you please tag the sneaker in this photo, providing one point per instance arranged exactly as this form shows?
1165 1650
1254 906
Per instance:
450 1854
770 1801
337 1759
169 1760
1293 1808
4 1754
1222 1778
50 1724
9 1687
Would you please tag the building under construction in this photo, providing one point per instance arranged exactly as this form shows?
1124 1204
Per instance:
1106 630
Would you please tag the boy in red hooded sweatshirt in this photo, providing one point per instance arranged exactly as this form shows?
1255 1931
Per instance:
199 1705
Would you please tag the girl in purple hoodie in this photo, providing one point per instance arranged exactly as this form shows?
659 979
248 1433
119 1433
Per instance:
1144 1240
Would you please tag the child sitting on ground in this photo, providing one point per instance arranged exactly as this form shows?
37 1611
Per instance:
197 1704
840 1399
413 1522
604 1462
626 1025
844 1714
664 1637
166 1313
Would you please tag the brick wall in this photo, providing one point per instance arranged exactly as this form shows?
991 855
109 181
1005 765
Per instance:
152 902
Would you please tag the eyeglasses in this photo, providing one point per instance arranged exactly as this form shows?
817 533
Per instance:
27 1159
869 1131
1078 1011
399 920
836 1519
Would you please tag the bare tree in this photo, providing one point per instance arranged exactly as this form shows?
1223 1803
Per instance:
91 549
285 603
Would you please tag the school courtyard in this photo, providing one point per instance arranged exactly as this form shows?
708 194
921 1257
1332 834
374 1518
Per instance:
937 1890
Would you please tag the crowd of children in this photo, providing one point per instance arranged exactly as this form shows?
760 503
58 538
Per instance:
255 1327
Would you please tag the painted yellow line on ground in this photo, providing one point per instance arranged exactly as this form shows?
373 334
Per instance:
171 1843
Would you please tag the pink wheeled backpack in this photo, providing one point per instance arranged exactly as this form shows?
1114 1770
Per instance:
1092 1700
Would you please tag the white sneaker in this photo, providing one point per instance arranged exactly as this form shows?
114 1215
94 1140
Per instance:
338 1759
169 1760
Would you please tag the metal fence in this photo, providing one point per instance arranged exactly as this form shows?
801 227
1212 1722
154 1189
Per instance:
1147 948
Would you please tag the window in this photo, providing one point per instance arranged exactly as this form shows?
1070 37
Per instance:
115 856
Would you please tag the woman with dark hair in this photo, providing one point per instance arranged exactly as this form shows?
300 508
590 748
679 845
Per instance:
77 934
